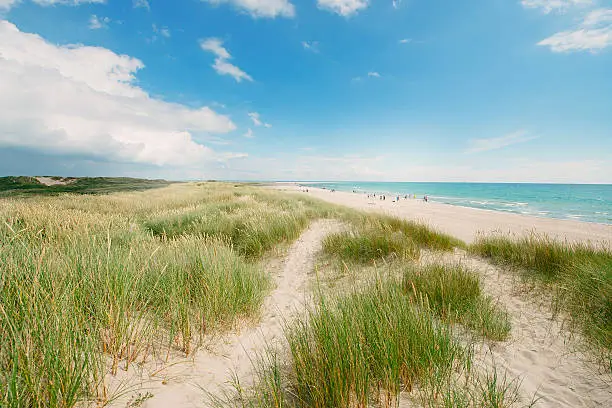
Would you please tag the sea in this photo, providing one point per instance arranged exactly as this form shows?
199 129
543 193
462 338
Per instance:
582 202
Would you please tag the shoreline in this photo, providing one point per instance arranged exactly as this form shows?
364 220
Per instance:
465 223
433 199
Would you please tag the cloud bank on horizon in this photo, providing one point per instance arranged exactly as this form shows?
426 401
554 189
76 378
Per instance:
357 90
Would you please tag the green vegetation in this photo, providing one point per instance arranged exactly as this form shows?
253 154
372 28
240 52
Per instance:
370 245
374 237
455 295
30 186
387 343
579 275
88 285
394 335
93 283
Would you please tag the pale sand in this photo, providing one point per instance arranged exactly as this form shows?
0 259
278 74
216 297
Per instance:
539 352
189 384
463 222
48 181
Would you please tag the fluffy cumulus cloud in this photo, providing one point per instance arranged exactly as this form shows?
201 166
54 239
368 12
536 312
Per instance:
593 34
494 143
81 100
221 64
343 7
548 6
261 8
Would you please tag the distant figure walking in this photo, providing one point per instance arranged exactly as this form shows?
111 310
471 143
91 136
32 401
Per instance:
425 198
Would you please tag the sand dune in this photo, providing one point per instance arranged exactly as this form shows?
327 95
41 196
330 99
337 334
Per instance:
189 384
538 352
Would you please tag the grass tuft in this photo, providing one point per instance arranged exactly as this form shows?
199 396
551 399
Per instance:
455 295
578 275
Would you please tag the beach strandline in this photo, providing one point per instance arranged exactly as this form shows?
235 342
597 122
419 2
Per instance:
465 223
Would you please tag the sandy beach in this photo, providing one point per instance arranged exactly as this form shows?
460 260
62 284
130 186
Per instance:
463 222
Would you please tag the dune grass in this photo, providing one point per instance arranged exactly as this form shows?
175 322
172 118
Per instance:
369 245
22 186
578 275
364 347
375 237
455 295
367 346
89 286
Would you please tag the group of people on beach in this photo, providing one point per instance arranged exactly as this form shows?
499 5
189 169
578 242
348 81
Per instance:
381 197
397 198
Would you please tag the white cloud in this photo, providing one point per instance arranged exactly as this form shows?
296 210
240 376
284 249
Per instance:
249 134
163 31
396 3
494 143
257 120
343 7
225 68
405 40
141 4
96 22
311 46
374 74
261 8
548 6
593 34
7 4
83 100
67 2
215 46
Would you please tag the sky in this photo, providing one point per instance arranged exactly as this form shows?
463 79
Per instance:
372 90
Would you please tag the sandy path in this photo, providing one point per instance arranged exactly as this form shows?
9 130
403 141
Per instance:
538 351
210 371
463 222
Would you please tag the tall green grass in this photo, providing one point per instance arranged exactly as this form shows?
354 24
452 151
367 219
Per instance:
370 245
86 288
455 295
421 234
375 237
368 345
578 275
365 347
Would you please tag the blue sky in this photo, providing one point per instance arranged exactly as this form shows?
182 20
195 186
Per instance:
411 90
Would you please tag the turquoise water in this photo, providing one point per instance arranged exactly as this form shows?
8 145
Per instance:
583 202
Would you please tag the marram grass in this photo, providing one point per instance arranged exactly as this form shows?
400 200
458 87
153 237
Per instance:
365 347
86 281
455 295
578 275
95 283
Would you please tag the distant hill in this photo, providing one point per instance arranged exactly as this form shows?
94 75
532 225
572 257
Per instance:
52 185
